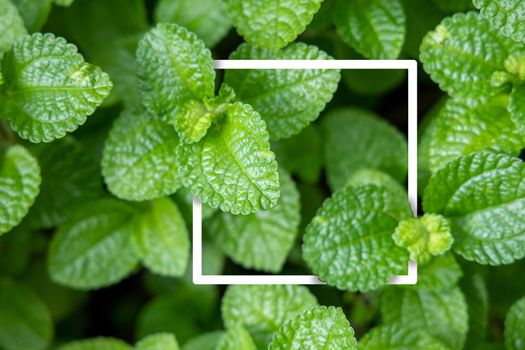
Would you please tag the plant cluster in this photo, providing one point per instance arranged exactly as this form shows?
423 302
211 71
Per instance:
113 118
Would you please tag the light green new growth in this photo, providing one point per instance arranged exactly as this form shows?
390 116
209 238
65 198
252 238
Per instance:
11 26
232 167
236 338
287 99
483 197
506 16
261 240
515 326
139 159
317 328
48 88
271 24
19 185
208 20
374 28
174 67
161 341
99 343
348 244
261 309
424 237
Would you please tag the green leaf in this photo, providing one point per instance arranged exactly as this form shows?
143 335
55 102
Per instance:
11 25
25 322
440 273
261 309
464 127
65 3
271 24
174 67
139 160
287 99
206 341
357 139
374 28
49 88
462 67
441 313
70 177
515 326
99 343
209 20
261 240
317 328
476 295
517 107
184 200
483 197
349 242
19 186
506 16
163 239
162 341
95 247
33 12
424 237
232 167
236 338
397 337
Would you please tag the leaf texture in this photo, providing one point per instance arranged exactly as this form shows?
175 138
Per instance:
11 25
232 167
161 341
517 107
50 90
398 337
348 244
99 235
19 186
139 159
357 139
287 99
506 16
374 28
261 240
441 313
440 273
515 326
317 328
271 24
483 197
261 309
174 67
236 338
464 127
463 53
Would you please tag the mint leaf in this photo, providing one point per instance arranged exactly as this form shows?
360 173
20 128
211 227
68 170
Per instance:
139 160
515 326
374 28
271 25
261 240
424 237
482 195
232 167
49 89
397 337
11 25
441 272
33 12
206 341
317 328
236 338
287 99
506 16
209 20
98 235
440 313
25 321
174 67
357 139
262 309
463 67
348 244
163 239
70 177
99 343
463 127
162 341
19 185
517 107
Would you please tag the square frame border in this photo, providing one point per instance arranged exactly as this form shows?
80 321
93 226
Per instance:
411 67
